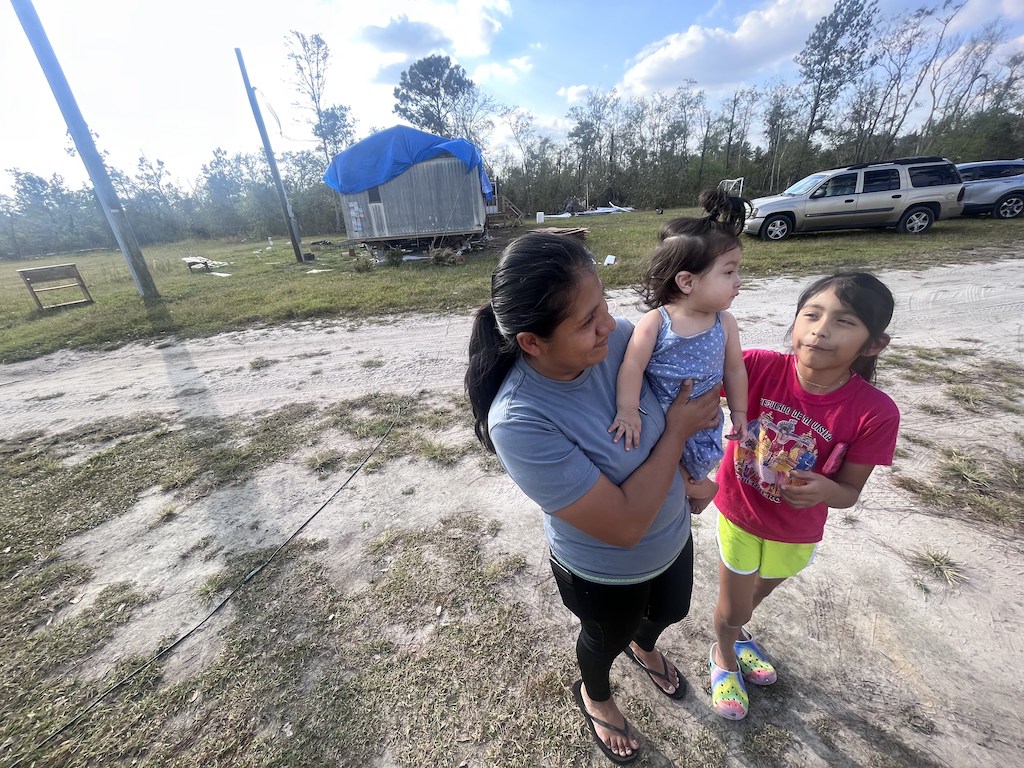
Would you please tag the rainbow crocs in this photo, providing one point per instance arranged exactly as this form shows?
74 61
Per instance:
728 692
756 669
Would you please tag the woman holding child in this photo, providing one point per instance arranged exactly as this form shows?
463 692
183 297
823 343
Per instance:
544 356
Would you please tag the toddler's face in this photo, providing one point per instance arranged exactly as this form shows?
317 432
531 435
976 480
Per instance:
720 283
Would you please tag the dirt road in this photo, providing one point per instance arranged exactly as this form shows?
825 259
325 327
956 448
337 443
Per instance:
858 638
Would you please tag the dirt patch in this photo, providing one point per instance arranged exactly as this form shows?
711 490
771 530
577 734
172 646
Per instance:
880 662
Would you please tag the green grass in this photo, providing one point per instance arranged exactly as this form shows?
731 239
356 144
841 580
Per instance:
267 288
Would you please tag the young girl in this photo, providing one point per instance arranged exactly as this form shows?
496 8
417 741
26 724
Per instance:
692 280
818 428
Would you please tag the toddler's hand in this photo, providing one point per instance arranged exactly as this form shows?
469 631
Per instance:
626 425
739 427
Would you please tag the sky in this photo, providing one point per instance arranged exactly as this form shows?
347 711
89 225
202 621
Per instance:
160 78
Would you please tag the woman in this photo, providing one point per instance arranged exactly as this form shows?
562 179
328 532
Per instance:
543 358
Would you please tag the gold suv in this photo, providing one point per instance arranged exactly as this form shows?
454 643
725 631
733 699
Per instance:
909 194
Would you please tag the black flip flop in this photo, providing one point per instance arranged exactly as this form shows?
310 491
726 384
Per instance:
626 731
680 690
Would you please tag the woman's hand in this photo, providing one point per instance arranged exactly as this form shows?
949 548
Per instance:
691 416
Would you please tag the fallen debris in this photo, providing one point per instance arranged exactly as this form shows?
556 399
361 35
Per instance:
580 233
198 262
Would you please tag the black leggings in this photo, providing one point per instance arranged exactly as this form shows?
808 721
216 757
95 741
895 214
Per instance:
612 615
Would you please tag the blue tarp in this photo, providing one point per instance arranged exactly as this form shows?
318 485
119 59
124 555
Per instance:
389 153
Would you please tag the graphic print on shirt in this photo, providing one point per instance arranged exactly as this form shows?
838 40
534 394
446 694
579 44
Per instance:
774 448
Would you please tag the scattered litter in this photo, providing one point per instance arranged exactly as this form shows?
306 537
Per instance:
610 208
221 274
609 260
318 271
199 262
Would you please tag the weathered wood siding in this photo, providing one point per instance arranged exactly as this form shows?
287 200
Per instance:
435 197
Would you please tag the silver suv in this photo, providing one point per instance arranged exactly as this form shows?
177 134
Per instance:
909 194
994 186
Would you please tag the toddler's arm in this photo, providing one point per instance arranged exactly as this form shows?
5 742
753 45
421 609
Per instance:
735 378
631 377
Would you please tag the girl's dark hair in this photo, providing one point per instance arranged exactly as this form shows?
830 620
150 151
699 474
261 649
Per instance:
532 290
688 244
869 298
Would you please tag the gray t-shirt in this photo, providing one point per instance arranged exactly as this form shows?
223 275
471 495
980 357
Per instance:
552 438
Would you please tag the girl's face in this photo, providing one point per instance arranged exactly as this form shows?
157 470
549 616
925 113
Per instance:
715 288
828 335
581 340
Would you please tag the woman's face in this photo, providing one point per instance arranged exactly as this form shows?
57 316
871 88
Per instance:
581 340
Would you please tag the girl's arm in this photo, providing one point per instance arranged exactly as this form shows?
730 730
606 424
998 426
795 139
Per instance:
631 378
812 488
621 514
735 378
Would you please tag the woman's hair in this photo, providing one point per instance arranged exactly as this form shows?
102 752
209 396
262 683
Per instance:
688 244
869 298
532 290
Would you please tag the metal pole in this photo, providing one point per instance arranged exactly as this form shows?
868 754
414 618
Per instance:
86 147
289 217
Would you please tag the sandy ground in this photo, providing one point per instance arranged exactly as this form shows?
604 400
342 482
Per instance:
854 638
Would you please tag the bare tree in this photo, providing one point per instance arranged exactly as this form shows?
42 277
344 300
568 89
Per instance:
331 124
832 58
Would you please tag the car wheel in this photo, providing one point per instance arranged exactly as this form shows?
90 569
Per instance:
1009 207
916 220
776 228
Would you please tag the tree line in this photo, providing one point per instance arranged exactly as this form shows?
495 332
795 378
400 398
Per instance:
869 88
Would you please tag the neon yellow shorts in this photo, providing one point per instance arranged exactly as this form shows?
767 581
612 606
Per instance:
746 553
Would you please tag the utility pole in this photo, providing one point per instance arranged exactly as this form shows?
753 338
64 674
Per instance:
79 130
289 217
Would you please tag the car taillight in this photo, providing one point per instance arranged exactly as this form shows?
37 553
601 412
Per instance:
960 194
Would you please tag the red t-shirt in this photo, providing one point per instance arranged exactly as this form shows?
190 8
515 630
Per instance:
789 428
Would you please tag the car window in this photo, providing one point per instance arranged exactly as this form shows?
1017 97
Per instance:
881 180
970 174
1010 170
933 175
843 184
805 185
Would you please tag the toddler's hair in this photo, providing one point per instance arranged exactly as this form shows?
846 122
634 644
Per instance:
868 297
691 244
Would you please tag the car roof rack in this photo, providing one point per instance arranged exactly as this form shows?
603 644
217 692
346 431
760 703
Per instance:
898 161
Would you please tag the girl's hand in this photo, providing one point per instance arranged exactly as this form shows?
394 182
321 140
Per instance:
739 426
804 489
627 425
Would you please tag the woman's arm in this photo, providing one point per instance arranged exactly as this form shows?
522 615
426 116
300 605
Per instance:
735 378
631 377
621 514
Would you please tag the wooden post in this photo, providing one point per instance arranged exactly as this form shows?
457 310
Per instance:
79 130
289 217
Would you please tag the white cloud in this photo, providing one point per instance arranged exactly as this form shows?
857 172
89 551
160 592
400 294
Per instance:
573 93
762 41
494 72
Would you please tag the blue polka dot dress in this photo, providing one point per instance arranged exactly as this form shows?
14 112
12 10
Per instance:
700 357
